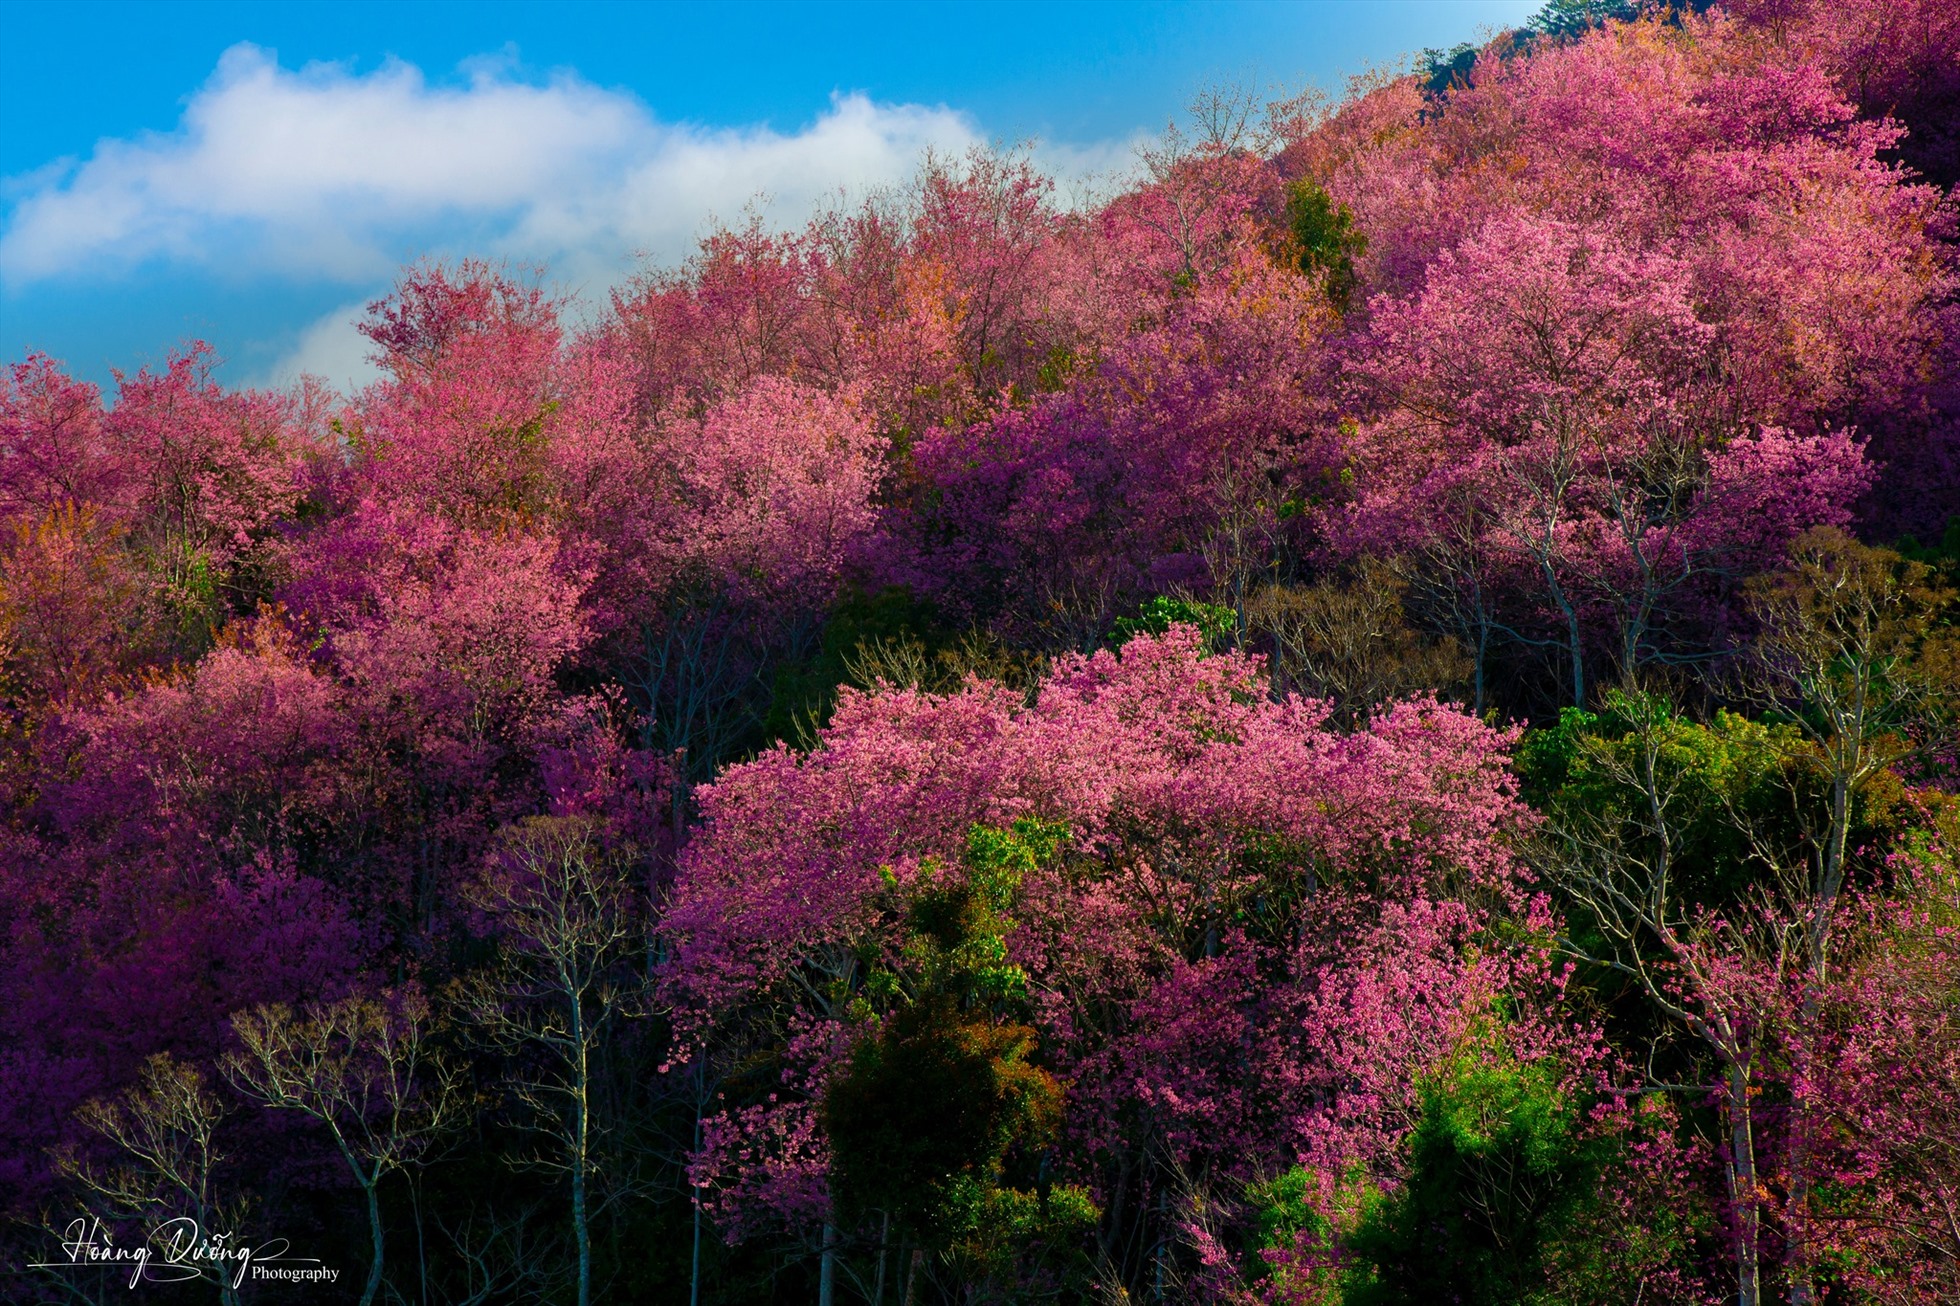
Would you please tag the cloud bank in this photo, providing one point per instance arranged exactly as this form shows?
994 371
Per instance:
325 177
328 175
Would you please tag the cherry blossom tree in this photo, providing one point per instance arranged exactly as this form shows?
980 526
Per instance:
1201 858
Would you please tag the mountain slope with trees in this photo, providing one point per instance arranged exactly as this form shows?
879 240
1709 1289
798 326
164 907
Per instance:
1369 718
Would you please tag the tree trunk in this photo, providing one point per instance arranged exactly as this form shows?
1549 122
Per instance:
1817 944
694 1269
884 1250
583 1236
827 1267
373 1287
421 1242
912 1275
581 1128
1578 651
1743 1186
1158 1267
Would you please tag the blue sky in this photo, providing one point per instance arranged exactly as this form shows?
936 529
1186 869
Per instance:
252 173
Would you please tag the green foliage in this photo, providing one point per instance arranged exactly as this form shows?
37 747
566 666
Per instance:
1059 368
1442 69
1565 19
921 1123
1282 1209
1544 757
192 600
1500 1170
1729 778
942 1113
1557 22
1304 1222
1007 1223
1325 240
1214 621
1737 786
805 692
1001 857
1943 555
958 942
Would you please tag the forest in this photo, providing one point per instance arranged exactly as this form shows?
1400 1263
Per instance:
1369 716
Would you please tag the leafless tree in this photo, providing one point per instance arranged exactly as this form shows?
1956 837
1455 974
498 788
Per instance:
1544 477
1190 170
1076 615
1849 650
361 1068
1451 584
1351 643
165 1126
1243 545
569 943
503 1256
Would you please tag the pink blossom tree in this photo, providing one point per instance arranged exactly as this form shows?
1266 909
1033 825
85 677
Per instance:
1211 834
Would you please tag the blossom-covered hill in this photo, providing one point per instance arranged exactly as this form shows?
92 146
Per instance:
1367 718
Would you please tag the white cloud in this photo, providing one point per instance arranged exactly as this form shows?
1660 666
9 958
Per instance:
328 176
332 348
325 174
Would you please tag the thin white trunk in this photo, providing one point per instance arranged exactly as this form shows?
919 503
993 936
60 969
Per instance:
827 1271
1743 1185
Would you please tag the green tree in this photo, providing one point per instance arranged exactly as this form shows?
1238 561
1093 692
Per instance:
943 1114
1501 1171
1324 240
1217 623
